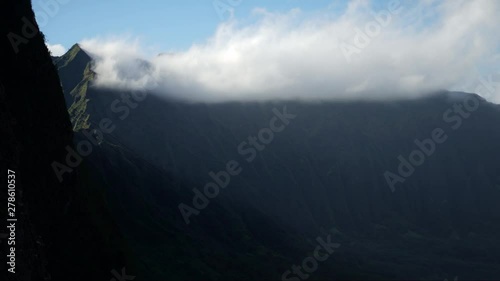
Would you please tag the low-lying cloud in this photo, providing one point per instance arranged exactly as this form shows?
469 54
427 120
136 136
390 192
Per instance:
397 50
56 49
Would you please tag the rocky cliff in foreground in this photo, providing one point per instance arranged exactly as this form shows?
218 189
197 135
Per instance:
55 234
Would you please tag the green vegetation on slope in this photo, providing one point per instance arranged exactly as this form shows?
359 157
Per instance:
75 70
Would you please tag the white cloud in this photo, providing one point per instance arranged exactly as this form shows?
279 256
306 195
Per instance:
429 45
56 49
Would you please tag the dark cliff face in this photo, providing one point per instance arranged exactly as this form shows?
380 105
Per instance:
53 228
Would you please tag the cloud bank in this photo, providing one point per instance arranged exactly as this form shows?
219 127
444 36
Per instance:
400 49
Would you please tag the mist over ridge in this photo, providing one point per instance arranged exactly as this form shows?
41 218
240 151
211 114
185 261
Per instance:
365 52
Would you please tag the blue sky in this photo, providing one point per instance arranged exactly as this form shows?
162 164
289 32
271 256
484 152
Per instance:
330 49
167 24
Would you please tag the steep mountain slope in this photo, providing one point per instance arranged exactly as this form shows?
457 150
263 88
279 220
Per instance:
75 70
144 200
323 173
55 237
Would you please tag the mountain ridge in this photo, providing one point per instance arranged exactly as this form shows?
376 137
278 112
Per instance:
322 174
